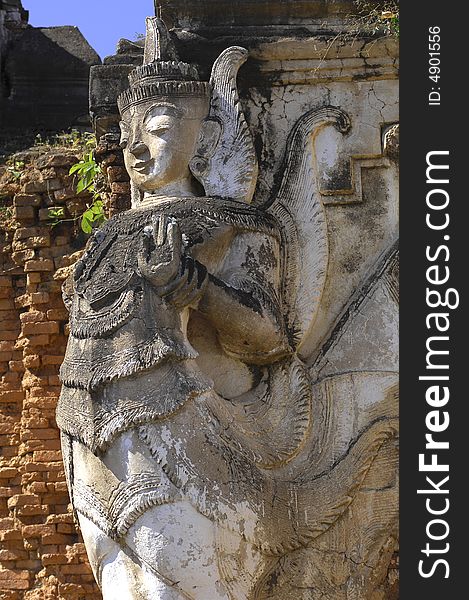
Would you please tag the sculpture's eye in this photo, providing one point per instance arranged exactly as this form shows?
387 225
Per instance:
157 125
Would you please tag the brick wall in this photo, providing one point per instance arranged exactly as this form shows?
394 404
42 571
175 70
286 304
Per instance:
42 556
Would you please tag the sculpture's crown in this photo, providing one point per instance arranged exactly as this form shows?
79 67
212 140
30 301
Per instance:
161 74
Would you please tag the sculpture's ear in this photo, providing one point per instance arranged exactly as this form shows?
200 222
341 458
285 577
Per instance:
207 143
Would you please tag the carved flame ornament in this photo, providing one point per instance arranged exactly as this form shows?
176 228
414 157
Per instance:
204 460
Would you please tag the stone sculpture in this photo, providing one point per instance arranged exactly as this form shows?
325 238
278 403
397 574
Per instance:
205 458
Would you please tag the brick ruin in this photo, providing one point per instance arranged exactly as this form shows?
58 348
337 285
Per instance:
41 554
36 65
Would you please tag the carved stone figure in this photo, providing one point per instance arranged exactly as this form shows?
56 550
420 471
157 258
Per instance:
207 458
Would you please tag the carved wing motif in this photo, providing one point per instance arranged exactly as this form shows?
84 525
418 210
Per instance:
232 169
296 204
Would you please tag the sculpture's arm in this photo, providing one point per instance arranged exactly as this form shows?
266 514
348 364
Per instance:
242 300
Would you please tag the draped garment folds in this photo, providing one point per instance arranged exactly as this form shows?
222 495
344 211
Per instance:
120 328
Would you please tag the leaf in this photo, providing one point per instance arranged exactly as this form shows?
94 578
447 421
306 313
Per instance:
97 208
86 224
56 213
75 168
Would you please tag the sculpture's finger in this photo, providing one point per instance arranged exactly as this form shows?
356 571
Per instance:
173 285
142 264
175 238
144 247
197 279
160 238
190 295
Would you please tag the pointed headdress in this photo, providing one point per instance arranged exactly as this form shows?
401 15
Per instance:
162 73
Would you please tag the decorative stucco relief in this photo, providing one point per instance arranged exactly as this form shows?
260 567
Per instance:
229 403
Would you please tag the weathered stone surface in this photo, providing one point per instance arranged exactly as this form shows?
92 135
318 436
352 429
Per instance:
232 348
206 14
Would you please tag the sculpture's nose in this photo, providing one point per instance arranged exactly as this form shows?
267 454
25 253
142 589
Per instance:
138 148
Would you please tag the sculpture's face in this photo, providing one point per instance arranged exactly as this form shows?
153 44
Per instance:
159 138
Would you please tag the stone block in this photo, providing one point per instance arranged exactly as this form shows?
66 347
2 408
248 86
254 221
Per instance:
76 206
32 362
33 278
14 580
7 345
21 257
33 316
23 233
9 535
38 340
32 511
120 188
57 159
38 328
16 365
40 298
23 500
24 213
45 213
5 282
7 315
54 559
7 304
23 200
65 194
11 396
33 242
30 531
117 174
7 473
53 185
35 187
46 456
39 265
5 293
57 314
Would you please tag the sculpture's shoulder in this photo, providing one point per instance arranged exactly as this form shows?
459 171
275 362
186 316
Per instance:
194 216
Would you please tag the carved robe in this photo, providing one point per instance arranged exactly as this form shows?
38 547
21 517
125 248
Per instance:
129 362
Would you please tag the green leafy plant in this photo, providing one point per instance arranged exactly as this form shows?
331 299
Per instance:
73 138
56 215
15 169
93 217
86 170
88 173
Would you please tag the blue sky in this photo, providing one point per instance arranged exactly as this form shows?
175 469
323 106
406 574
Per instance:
102 22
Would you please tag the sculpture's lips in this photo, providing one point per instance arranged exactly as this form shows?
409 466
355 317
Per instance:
142 166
